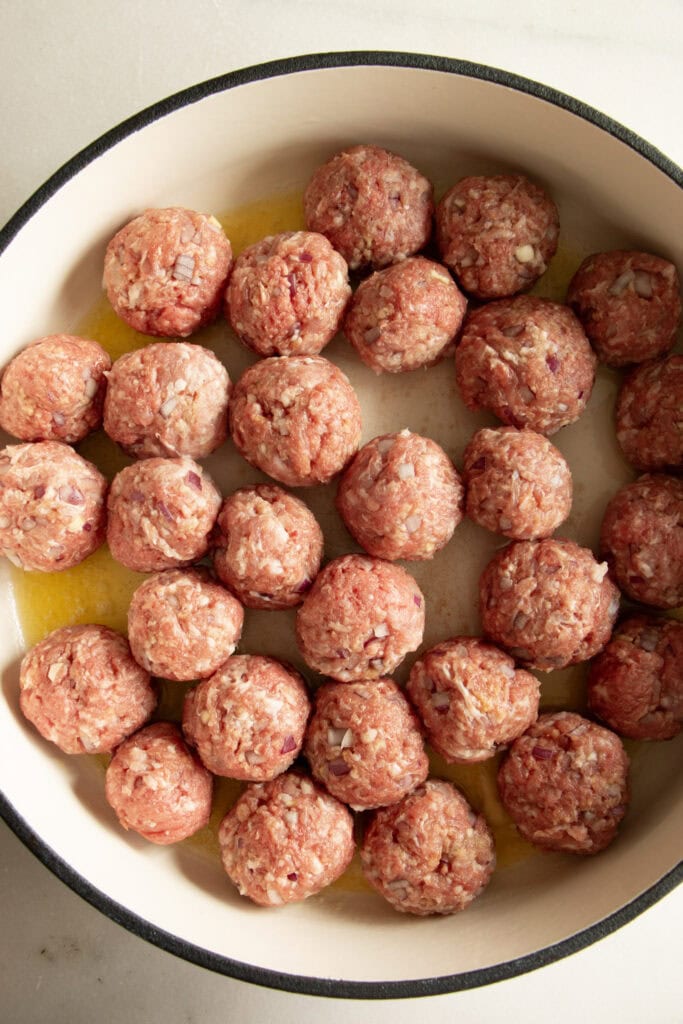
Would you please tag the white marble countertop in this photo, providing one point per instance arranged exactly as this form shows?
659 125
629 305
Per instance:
69 71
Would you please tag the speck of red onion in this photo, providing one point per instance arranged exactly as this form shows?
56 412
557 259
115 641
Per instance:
371 335
87 527
553 363
338 767
39 491
292 876
304 586
305 257
165 511
479 464
542 753
291 280
137 496
71 495
194 480
417 600
289 745
342 652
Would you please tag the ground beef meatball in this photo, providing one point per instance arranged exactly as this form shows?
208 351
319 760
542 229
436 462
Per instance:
564 783
373 205
629 304
517 483
548 602
296 418
248 720
285 840
364 743
360 619
161 514
52 506
53 389
528 361
497 234
430 853
471 698
649 416
83 690
168 399
268 547
401 497
165 271
642 540
405 317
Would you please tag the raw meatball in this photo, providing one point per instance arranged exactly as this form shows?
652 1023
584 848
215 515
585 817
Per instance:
430 853
373 205
401 497
165 271
285 840
636 684
53 389
629 304
296 418
360 619
168 399
83 690
183 626
564 783
364 743
642 540
649 416
248 720
161 513
268 547
497 234
517 483
52 512
405 317
471 698
157 786
528 361
287 294
548 602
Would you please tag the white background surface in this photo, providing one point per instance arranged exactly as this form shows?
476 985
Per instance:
68 72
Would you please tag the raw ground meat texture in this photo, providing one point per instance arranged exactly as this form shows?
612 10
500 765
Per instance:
649 416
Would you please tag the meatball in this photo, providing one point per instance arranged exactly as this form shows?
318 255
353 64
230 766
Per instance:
373 205
285 840
296 418
401 497
161 514
168 399
629 304
268 547
360 619
287 294
430 853
52 511
548 602
642 540
53 389
157 786
248 720
165 271
83 690
405 317
364 743
471 698
564 783
528 361
517 483
649 420
497 234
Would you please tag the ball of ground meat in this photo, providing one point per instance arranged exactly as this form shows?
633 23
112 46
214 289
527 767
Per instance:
564 783
83 690
296 418
528 361
548 602
161 514
373 205
168 399
268 547
401 497
360 619
405 317
429 854
52 506
649 420
629 304
53 389
517 483
285 840
642 539
165 271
